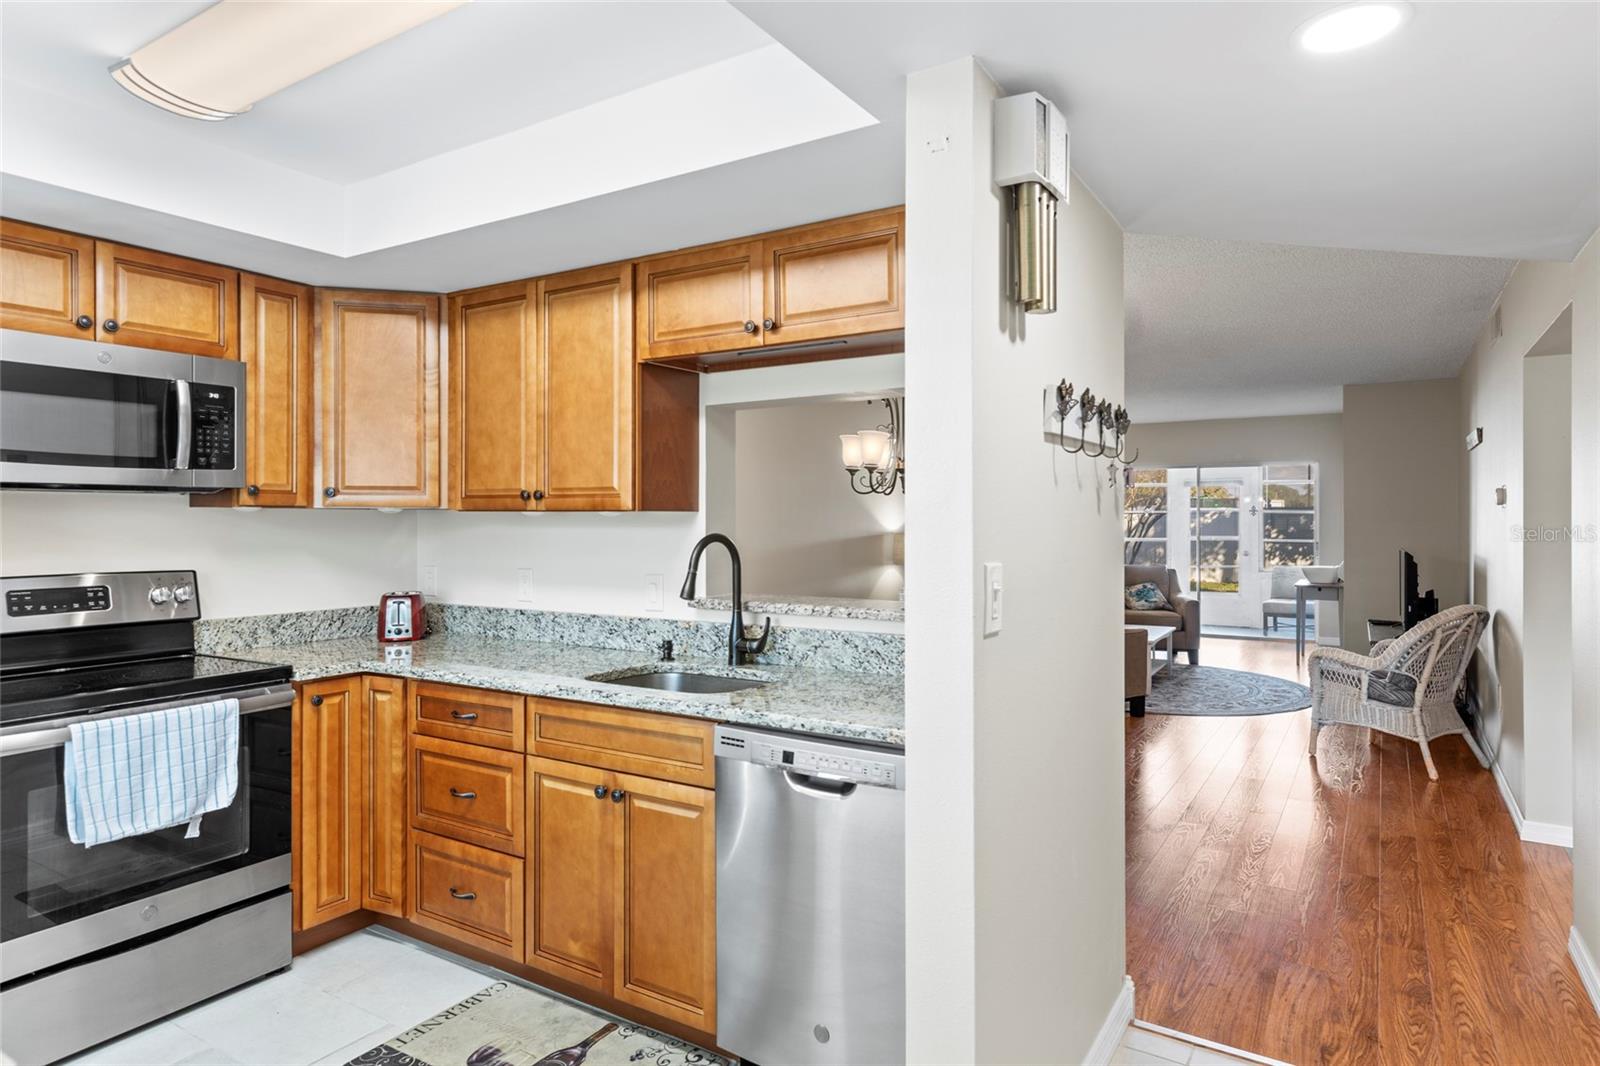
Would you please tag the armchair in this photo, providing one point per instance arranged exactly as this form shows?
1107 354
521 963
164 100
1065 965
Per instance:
1406 687
1184 617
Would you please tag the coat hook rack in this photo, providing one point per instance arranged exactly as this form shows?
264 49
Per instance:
1090 410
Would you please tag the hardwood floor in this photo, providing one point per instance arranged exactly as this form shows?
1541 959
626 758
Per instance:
1342 910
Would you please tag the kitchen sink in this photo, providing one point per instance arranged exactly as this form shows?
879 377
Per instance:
683 681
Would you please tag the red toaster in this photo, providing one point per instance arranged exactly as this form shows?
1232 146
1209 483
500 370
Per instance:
401 617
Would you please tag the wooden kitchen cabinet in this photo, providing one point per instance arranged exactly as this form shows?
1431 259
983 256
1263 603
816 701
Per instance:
835 279
46 280
153 300
664 947
379 355
468 793
467 892
699 301
275 331
384 730
328 800
570 882
494 398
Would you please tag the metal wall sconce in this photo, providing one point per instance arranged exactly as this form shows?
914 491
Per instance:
1102 414
873 456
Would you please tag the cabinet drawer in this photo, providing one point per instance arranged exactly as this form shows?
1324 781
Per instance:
472 715
467 793
635 742
467 892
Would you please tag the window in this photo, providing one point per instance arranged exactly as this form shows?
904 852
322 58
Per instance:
1214 528
1144 518
1288 515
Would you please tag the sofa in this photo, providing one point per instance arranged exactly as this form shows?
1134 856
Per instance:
1184 618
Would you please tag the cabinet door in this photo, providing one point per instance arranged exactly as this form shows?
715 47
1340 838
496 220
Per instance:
327 802
275 345
380 397
586 388
152 300
570 881
493 398
665 949
383 776
46 280
702 301
836 279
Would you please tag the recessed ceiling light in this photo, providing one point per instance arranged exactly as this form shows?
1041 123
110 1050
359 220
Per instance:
237 52
1351 26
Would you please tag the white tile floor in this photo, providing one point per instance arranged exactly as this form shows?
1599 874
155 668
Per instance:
1144 1047
334 1003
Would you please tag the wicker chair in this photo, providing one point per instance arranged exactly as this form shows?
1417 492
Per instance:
1406 687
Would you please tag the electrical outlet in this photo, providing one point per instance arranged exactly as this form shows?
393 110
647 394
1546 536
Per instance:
430 580
524 586
994 587
652 593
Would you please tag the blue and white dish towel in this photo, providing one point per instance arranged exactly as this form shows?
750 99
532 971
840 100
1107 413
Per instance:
143 772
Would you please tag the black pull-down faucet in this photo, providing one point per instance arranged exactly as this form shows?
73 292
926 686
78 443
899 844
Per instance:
739 645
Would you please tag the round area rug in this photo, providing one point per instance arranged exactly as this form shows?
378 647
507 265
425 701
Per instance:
1202 690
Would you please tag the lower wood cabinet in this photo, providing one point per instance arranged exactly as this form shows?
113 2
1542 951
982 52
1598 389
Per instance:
570 884
328 807
467 892
384 729
469 793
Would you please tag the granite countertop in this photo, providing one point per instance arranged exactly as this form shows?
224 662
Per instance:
811 606
829 703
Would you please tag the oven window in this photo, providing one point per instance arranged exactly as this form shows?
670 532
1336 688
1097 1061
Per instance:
57 417
46 880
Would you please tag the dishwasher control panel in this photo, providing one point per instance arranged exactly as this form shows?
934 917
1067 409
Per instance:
862 766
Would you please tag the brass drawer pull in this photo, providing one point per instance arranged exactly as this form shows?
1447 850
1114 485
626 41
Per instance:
464 716
463 895
463 795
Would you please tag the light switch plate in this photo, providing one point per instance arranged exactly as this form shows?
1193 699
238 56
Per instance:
430 580
525 586
652 592
994 587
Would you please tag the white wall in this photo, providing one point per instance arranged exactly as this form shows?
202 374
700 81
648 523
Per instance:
1547 589
1492 396
800 528
1403 443
1237 441
249 561
1015 837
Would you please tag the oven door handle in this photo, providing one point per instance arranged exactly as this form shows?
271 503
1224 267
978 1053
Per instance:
273 698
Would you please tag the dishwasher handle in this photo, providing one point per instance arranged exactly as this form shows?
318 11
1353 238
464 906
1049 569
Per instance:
821 787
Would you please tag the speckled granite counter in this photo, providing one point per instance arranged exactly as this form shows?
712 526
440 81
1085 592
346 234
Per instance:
810 607
850 706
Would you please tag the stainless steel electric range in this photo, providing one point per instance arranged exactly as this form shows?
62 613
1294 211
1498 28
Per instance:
95 941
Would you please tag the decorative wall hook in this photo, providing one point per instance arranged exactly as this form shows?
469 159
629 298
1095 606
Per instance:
1091 410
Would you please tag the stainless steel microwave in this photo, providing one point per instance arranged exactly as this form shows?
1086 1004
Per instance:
75 414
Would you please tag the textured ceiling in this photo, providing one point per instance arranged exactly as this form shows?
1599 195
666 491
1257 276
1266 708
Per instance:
1236 329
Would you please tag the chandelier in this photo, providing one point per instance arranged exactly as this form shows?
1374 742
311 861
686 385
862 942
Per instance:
873 456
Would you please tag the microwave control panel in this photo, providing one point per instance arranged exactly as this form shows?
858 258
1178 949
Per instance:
214 427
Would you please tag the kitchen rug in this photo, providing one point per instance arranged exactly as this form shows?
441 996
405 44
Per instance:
1203 690
510 1025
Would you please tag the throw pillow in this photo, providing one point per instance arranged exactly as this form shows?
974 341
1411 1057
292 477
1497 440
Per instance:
1146 596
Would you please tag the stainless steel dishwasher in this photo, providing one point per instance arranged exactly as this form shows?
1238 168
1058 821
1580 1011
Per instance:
810 900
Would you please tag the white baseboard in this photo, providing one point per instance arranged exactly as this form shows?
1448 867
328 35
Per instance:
1532 832
1587 971
1117 1021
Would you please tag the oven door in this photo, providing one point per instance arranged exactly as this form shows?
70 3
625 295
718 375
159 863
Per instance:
75 414
60 900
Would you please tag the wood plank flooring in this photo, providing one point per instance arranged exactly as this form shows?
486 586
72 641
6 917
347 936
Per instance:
1346 910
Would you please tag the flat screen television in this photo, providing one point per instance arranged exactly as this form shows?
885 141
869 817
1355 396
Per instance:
1414 606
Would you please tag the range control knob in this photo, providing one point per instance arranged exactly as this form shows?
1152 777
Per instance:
183 593
160 595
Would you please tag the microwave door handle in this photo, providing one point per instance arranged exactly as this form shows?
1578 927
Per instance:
185 409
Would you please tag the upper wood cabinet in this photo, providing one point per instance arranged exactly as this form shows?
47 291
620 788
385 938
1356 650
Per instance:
153 300
494 398
838 279
379 354
46 280
384 730
706 300
329 804
275 319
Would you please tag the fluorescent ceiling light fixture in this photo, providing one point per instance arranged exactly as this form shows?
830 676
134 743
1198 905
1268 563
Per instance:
1351 26
238 52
